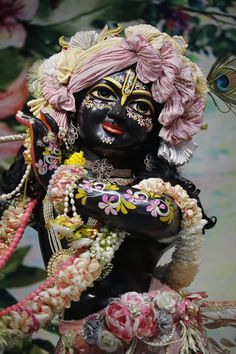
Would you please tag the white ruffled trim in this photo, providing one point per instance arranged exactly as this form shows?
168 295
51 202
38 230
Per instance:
50 66
177 154
84 39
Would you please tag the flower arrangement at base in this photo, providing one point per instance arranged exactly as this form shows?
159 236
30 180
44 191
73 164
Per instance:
163 319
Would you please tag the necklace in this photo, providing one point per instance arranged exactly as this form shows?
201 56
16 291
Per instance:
103 169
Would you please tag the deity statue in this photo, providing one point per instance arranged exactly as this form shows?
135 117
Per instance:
111 120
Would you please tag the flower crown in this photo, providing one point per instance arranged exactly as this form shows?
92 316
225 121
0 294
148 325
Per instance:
177 83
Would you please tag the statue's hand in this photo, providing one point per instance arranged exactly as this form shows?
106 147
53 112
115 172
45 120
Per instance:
45 145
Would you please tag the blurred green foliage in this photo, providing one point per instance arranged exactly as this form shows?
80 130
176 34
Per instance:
208 25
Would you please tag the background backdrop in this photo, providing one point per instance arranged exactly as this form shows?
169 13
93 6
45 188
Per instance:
29 29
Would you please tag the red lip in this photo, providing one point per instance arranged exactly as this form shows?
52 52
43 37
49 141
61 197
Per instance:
111 128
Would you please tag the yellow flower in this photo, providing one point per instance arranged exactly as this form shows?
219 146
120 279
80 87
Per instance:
70 222
76 159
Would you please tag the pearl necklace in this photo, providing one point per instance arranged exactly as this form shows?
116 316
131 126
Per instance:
20 185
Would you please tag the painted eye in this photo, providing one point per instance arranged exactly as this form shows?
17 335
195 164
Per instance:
103 93
142 107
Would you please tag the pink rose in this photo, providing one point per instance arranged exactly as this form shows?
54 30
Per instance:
182 125
188 308
148 59
145 325
119 321
132 298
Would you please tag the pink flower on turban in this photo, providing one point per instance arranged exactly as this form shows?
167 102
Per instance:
183 90
184 84
186 125
148 59
163 87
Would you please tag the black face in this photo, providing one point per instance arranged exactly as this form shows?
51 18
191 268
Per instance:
112 123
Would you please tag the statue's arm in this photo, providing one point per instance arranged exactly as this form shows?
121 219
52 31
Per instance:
128 208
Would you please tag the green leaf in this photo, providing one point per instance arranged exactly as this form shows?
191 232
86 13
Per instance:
227 343
6 299
231 34
16 260
64 11
178 3
37 350
12 64
23 276
208 31
52 328
222 4
196 4
223 43
43 41
44 10
202 38
44 344
195 20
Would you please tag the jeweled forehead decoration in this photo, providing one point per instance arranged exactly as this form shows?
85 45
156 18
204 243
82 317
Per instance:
176 82
128 86
118 80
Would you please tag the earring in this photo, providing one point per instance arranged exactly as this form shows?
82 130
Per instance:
148 163
72 134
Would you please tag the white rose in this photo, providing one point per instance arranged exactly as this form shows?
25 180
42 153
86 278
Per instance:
165 301
107 341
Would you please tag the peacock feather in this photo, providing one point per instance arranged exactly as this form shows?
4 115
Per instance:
222 80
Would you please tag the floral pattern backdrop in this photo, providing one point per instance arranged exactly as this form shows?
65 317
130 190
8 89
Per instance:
30 29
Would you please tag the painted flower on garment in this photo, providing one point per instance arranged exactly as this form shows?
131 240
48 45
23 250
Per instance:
137 197
153 207
42 167
107 204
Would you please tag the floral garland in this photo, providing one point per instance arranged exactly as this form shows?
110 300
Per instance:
52 297
180 272
12 227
